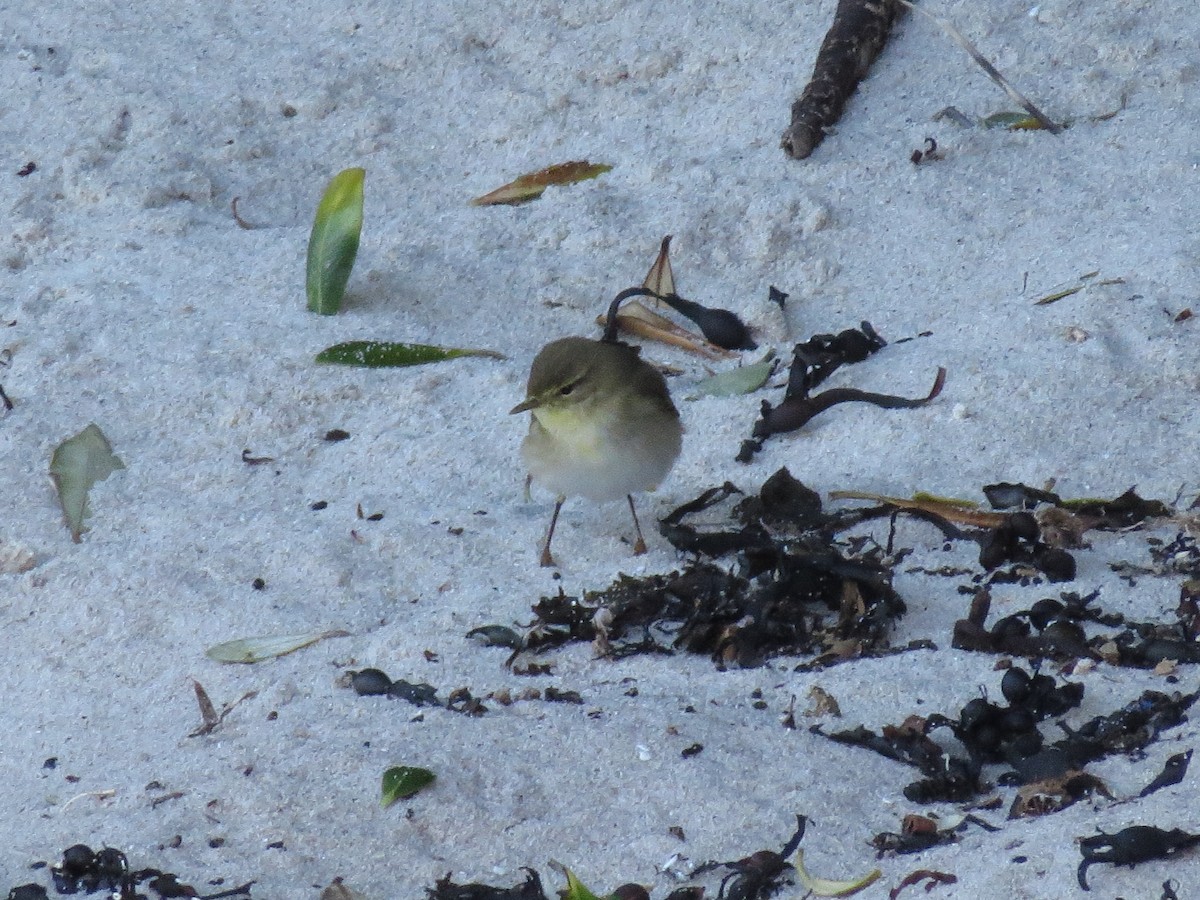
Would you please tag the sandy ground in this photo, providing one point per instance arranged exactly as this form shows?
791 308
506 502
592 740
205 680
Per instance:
131 298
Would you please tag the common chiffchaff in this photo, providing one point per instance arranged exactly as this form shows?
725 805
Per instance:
603 425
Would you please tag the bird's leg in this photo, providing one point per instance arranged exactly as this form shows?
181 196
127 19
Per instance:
547 559
639 546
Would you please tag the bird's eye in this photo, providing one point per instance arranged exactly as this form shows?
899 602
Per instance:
566 390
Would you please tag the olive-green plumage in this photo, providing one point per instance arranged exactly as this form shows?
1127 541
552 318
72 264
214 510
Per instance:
603 424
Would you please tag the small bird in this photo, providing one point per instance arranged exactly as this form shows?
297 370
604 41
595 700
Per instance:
603 425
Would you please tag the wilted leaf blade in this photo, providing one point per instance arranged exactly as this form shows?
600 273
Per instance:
1013 121
256 649
333 243
77 464
531 185
386 354
826 887
742 380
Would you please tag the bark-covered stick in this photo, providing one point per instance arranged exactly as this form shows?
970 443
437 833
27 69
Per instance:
859 31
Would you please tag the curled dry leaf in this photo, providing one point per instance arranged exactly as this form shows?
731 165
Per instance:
660 279
826 887
956 511
531 185
634 318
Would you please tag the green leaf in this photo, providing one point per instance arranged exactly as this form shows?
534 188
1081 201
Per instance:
402 782
742 380
333 243
256 649
77 464
384 354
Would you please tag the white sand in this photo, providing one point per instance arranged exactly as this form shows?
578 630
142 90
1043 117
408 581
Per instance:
131 298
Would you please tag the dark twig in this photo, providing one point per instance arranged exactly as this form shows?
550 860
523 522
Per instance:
242 223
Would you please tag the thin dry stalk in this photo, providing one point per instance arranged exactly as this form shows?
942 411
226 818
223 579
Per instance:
991 70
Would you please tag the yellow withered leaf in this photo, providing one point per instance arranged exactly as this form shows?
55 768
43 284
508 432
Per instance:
827 887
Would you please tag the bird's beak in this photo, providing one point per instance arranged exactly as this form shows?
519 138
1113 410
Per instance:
525 405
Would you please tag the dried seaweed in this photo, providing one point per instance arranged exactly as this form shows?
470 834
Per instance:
1018 539
1050 629
1117 514
83 869
1132 845
812 362
759 875
1172 773
992 733
529 889
919 833
792 588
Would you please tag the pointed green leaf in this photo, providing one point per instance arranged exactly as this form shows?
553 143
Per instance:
333 243
742 380
576 889
402 782
385 354
77 464
256 649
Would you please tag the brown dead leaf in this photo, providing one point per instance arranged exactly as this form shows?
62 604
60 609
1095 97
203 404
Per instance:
660 279
531 185
208 712
822 703
950 510
1166 667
